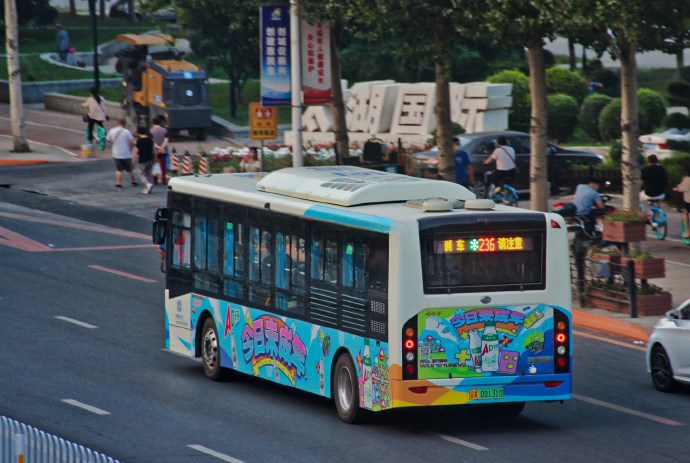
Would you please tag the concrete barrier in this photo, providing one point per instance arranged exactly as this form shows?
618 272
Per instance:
72 105
32 92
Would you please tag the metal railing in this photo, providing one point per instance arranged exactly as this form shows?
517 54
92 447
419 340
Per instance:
20 443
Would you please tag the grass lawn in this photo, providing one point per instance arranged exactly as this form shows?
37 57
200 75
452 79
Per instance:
42 39
34 69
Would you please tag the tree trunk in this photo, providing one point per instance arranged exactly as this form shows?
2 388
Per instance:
132 13
630 169
680 60
101 8
446 156
72 8
571 54
342 140
538 170
15 82
234 91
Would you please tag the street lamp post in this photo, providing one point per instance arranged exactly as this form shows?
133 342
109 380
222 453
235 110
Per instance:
94 35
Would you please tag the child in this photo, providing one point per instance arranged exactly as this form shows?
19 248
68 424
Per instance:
684 187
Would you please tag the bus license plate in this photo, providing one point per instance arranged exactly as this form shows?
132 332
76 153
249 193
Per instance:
486 394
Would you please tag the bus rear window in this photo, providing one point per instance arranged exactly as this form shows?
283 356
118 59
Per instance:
494 255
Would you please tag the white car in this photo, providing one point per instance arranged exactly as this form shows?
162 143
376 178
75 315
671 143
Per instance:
668 349
655 143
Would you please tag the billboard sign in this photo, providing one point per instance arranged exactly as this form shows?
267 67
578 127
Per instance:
275 56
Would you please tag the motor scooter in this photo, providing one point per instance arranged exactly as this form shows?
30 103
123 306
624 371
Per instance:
587 230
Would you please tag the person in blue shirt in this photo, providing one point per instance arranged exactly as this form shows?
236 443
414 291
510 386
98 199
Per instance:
588 202
464 173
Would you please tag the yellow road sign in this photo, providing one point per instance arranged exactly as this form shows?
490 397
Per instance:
263 122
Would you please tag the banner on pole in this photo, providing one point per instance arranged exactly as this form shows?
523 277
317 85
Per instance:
316 63
275 56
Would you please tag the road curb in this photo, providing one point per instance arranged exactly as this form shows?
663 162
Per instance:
609 325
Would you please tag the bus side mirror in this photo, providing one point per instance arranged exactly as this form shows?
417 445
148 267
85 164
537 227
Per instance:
160 225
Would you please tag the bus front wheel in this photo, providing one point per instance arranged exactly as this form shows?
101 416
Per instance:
210 350
346 390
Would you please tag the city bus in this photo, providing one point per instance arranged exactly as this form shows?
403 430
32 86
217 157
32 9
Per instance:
378 290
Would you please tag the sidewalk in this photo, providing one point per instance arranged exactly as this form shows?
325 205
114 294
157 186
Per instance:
614 324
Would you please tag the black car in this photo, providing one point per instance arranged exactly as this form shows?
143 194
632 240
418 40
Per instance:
480 145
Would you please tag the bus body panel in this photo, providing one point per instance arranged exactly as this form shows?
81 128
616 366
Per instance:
293 352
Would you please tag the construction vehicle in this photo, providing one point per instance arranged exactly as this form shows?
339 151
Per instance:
160 82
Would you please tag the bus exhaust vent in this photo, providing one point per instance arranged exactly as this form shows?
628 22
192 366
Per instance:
480 204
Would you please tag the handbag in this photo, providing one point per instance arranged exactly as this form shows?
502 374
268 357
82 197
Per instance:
156 170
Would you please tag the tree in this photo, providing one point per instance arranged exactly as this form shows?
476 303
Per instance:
38 11
226 31
72 8
527 24
630 26
15 83
673 30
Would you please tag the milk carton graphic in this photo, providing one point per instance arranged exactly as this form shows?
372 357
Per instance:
475 350
368 385
233 349
490 347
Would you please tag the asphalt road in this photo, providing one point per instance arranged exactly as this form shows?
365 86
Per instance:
82 330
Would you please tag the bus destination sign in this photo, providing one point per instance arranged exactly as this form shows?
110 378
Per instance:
483 244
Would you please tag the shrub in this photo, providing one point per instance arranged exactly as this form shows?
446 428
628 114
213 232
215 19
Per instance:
676 167
588 118
685 73
610 81
615 153
678 145
561 116
561 80
653 104
610 120
679 93
520 111
676 120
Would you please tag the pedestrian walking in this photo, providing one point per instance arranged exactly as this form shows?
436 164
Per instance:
160 138
97 112
122 142
684 187
62 42
145 157
464 172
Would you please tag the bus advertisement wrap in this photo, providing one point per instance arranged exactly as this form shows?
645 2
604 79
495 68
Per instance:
487 341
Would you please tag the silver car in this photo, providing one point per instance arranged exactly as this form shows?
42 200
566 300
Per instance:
668 349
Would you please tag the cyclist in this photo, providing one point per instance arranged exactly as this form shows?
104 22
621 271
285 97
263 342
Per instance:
504 156
464 173
654 181
588 202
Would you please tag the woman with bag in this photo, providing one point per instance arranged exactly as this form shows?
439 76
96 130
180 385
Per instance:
160 139
97 114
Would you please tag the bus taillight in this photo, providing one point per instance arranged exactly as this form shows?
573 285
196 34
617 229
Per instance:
561 343
409 349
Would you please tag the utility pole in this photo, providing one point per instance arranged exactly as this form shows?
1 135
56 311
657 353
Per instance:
15 81
296 75
94 35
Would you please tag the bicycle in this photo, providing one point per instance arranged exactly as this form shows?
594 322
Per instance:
657 218
504 195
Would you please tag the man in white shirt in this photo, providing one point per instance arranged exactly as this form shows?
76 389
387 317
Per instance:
504 156
122 142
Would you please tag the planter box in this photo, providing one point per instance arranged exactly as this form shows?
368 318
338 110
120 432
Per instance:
651 267
647 304
653 304
615 266
624 232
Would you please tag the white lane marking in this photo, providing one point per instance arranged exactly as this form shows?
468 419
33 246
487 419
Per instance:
39 124
609 340
627 410
86 407
677 263
465 443
213 453
76 322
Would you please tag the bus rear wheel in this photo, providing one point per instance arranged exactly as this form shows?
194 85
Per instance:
345 389
210 350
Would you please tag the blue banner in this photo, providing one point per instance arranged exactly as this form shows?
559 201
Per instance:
275 56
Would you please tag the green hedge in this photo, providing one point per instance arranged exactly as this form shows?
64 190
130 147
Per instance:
519 114
610 120
654 105
561 116
588 118
676 120
561 80
676 167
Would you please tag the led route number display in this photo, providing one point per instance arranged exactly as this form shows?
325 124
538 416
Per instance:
483 244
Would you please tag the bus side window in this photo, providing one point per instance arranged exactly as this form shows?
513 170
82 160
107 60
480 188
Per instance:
353 265
233 257
377 265
181 256
260 264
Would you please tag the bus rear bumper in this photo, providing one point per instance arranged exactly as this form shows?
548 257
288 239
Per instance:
478 391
